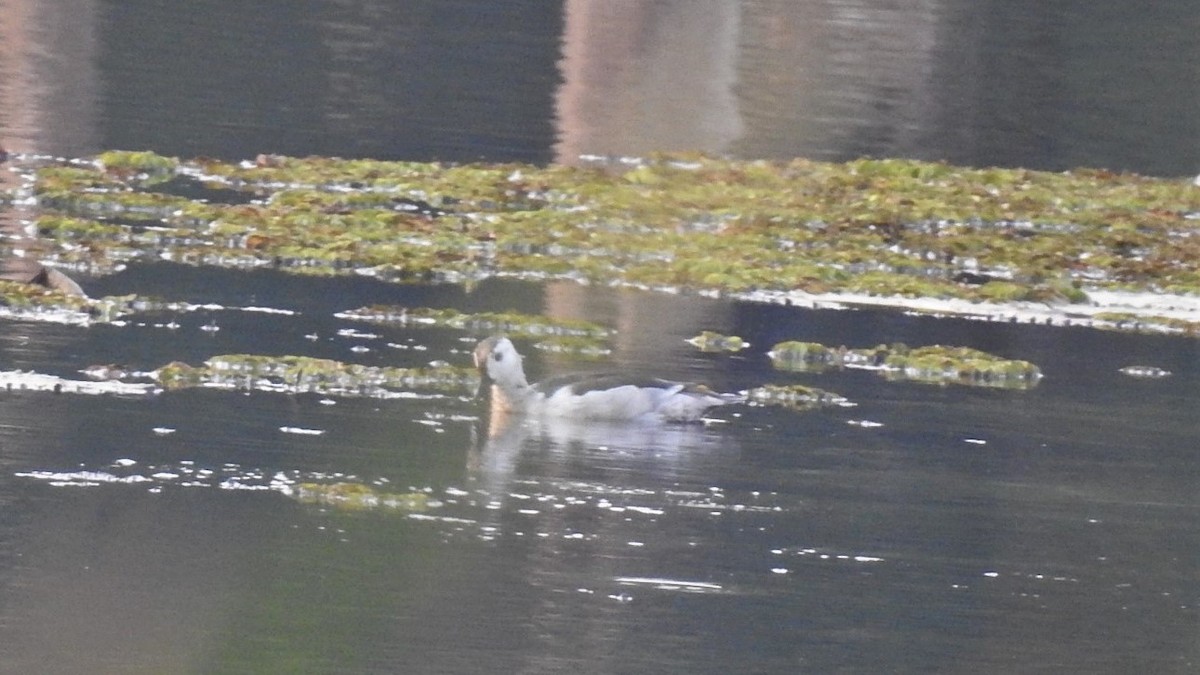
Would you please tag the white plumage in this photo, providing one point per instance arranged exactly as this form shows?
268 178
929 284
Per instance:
589 396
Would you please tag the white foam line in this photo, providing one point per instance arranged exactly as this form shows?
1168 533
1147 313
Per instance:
661 582
268 310
1142 303
16 380
302 431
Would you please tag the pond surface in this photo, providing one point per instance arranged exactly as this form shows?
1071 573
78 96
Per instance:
927 528
924 529
1039 85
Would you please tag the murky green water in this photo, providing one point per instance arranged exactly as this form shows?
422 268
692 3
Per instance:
970 530
926 529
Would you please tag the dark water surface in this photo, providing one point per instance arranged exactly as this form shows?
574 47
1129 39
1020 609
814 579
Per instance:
1042 85
1050 530
974 530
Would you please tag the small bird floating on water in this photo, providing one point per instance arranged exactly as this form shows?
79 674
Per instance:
589 396
29 271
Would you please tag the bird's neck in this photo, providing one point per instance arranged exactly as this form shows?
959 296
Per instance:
511 391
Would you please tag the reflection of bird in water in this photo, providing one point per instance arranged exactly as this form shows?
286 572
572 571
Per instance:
589 396
28 271
498 448
555 453
577 497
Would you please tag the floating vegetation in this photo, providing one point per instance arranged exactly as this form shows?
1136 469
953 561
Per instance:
795 397
482 323
708 341
879 228
932 364
570 336
1148 372
358 497
1142 323
586 347
144 165
33 302
806 357
302 374
958 365
338 490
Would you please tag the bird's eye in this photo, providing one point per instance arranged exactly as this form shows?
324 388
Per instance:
497 356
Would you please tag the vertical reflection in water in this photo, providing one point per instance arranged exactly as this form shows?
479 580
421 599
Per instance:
1040 85
556 494
48 81
418 80
835 79
651 327
645 75
355 82
48 76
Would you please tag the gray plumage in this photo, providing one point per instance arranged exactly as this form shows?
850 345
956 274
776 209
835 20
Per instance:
589 395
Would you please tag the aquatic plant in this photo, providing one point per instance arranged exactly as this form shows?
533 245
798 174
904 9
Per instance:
480 323
302 374
357 497
144 163
709 341
299 375
795 397
1143 323
884 228
798 356
564 336
959 365
934 364
32 302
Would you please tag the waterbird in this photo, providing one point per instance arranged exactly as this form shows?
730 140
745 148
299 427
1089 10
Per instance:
29 271
588 396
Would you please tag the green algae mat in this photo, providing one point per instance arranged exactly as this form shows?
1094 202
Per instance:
876 227
1088 247
1084 247
933 364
